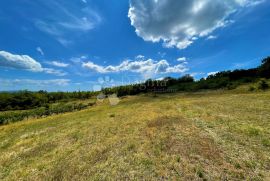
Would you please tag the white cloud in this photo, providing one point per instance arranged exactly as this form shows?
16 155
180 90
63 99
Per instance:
19 62
58 64
54 72
94 67
160 79
78 59
212 73
194 74
148 66
178 23
140 57
40 51
211 37
182 59
25 62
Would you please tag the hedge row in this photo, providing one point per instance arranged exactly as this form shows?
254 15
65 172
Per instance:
14 116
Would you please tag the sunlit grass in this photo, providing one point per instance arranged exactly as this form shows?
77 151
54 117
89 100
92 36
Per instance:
208 135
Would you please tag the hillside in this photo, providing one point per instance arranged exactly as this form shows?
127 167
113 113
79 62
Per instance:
205 136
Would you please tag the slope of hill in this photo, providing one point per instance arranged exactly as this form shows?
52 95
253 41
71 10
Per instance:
206 136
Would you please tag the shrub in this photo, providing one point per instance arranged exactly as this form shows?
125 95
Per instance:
263 85
12 116
252 88
231 86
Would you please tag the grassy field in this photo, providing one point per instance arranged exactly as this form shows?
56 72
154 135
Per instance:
200 136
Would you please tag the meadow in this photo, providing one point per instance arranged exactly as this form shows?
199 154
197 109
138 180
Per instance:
208 135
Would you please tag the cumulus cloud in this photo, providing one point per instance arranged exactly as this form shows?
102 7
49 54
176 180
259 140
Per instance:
140 57
148 66
25 62
178 23
19 62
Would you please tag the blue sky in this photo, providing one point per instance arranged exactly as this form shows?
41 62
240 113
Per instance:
72 45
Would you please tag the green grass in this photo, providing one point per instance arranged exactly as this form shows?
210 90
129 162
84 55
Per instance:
213 135
8 117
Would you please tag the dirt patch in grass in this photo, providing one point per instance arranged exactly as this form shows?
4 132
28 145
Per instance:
196 155
181 136
195 146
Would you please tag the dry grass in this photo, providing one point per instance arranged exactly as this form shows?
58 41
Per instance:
202 136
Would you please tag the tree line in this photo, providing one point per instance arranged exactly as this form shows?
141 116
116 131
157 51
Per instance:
23 100
224 79
14 116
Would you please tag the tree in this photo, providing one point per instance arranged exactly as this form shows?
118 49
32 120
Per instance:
264 69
